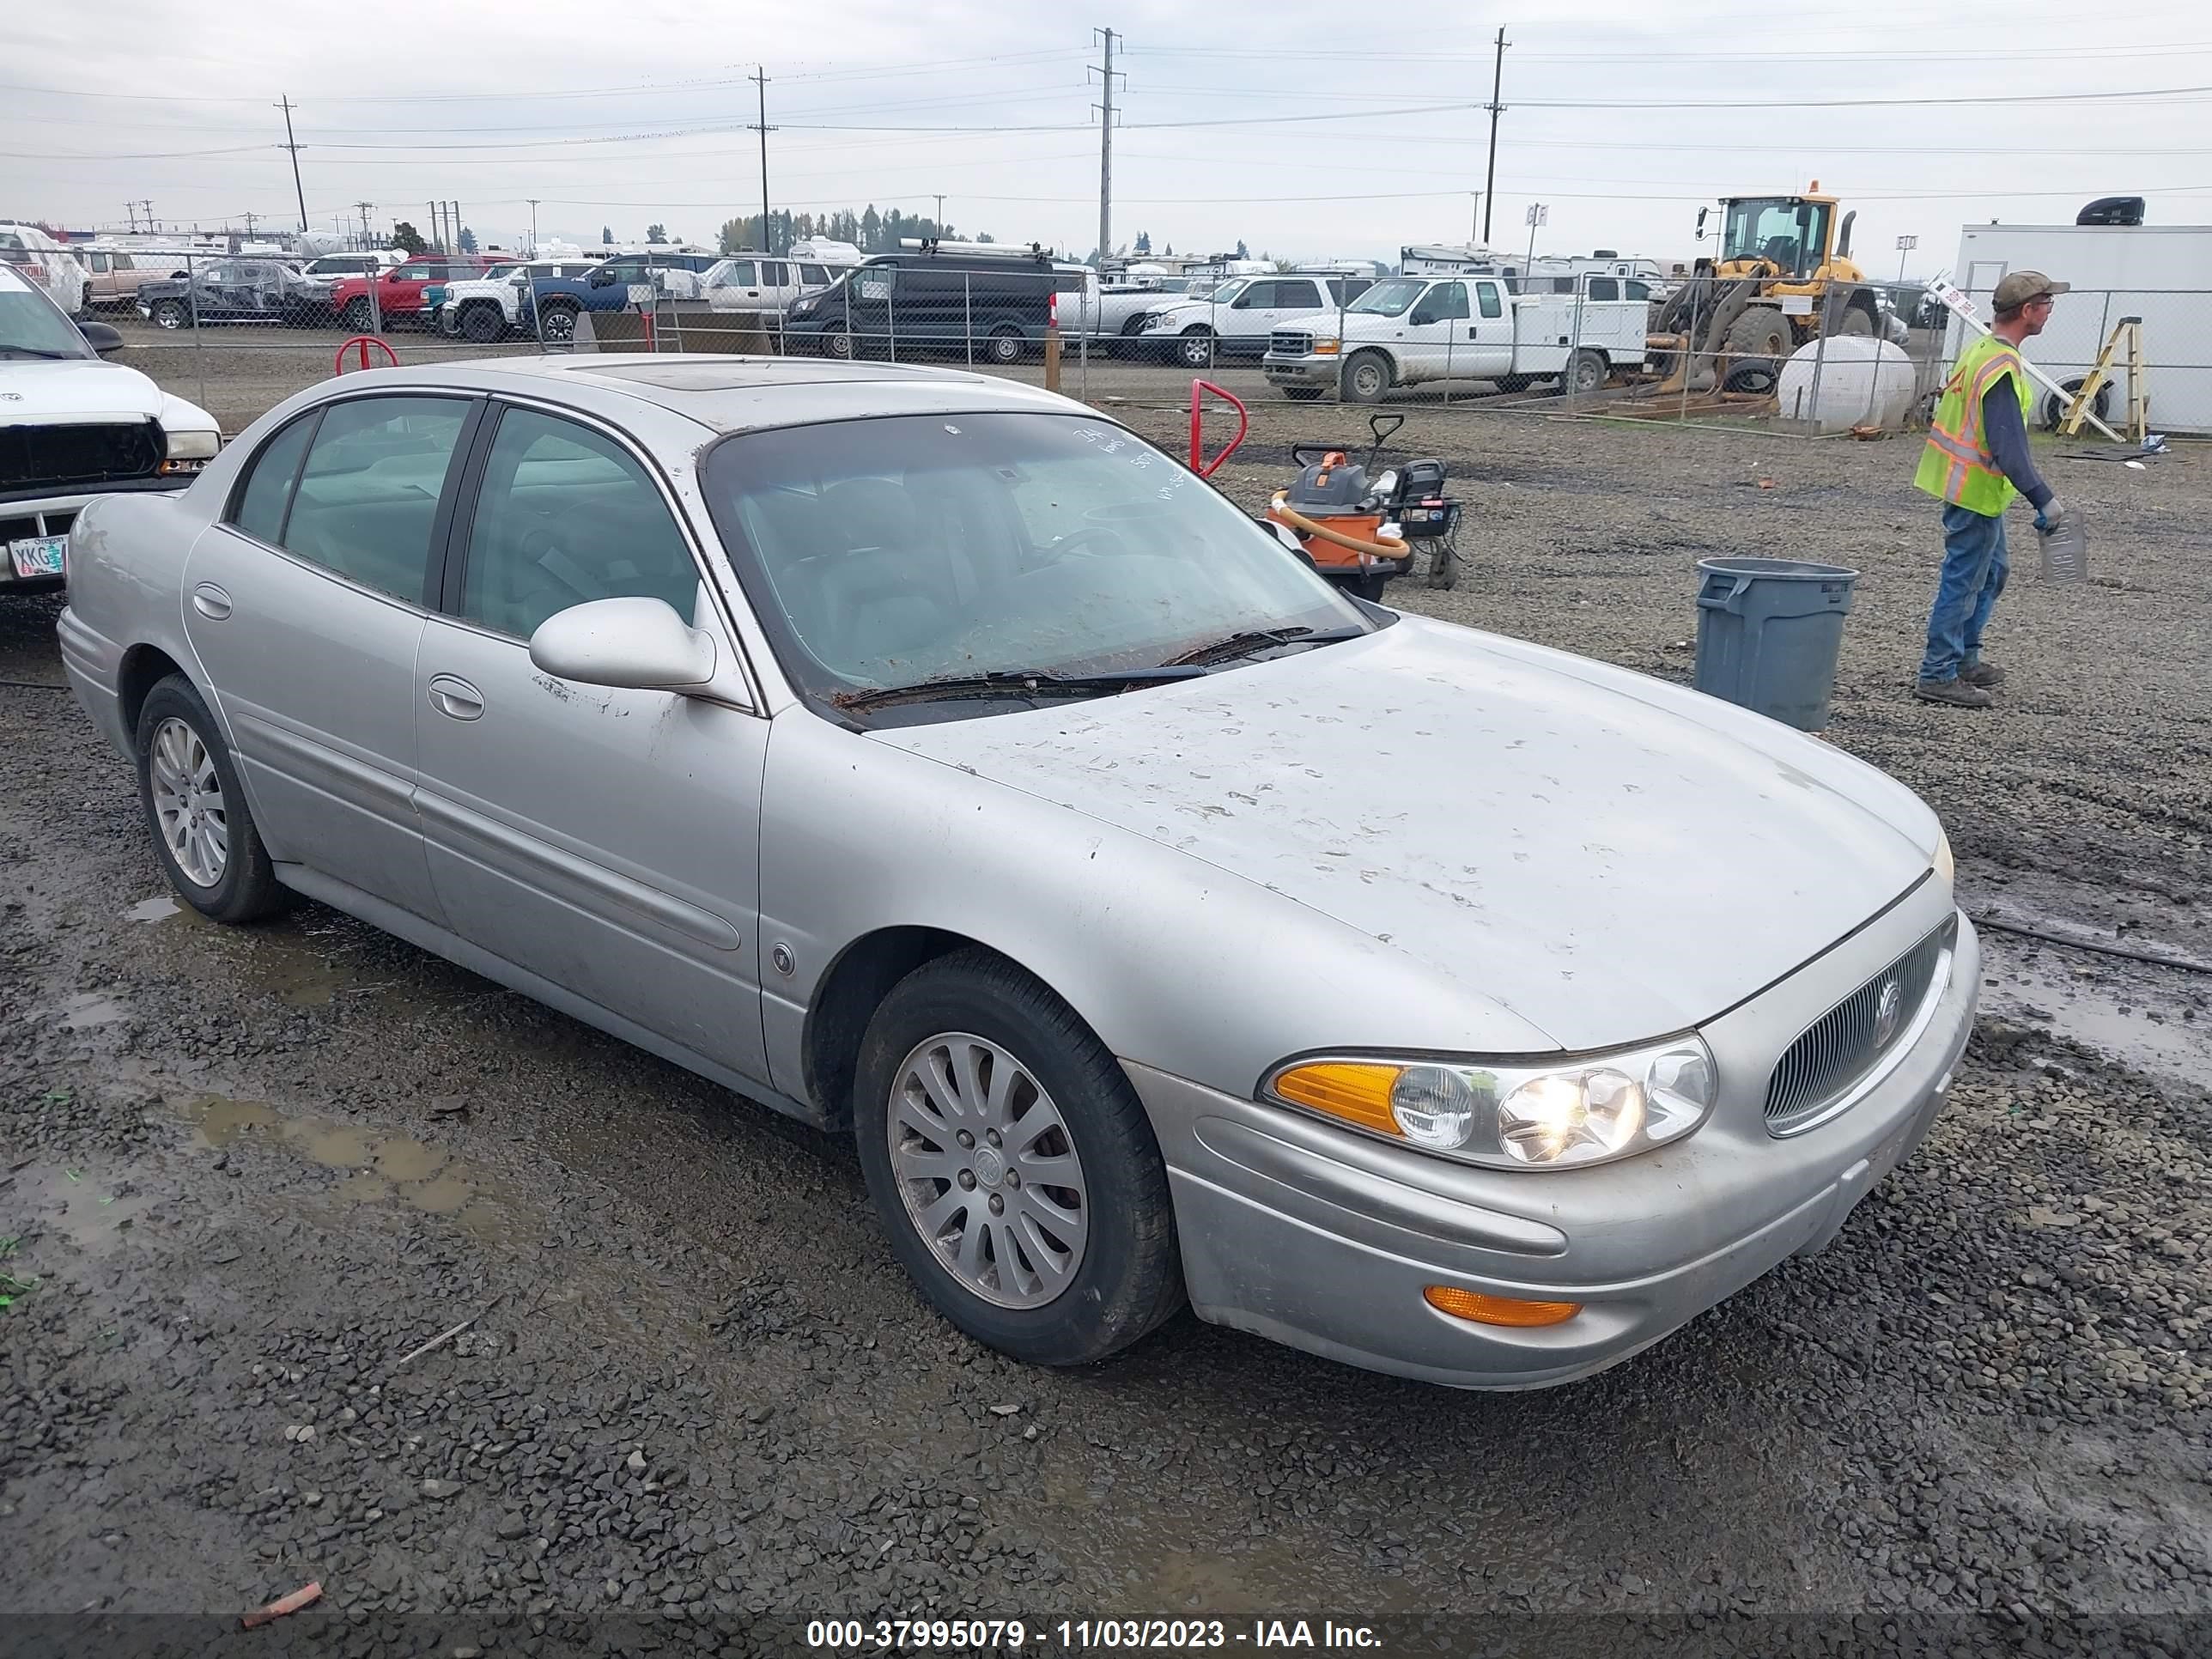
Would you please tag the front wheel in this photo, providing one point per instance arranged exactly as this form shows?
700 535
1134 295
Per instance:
359 317
1194 348
169 313
1012 1165
1005 345
556 325
203 829
482 323
1367 378
838 343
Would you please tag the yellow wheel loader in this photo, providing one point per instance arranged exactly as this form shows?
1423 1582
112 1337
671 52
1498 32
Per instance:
1784 275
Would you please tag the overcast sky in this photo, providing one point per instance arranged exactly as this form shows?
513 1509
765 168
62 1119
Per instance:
623 115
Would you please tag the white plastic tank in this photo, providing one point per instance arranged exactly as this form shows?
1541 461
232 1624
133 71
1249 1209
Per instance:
1861 381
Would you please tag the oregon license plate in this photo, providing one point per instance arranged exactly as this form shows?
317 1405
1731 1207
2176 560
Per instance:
38 556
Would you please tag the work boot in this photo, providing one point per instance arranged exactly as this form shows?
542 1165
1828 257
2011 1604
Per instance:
1987 675
1955 691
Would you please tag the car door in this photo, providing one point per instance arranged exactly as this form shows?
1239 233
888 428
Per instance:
777 289
739 288
304 606
1430 349
1489 332
603 841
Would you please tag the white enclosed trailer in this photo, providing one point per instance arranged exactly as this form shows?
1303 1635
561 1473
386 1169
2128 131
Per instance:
2160 273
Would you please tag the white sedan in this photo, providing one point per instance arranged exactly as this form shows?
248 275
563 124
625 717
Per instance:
933 759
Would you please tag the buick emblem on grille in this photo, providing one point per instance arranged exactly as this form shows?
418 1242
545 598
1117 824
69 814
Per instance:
1888 1009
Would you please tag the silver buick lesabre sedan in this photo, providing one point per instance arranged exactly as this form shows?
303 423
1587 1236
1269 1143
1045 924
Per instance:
929 756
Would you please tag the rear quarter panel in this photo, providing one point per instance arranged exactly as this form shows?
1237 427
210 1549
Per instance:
126 564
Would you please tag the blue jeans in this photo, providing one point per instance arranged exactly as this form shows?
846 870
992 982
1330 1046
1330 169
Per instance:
1974 566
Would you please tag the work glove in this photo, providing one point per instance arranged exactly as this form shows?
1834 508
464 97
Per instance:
2052 517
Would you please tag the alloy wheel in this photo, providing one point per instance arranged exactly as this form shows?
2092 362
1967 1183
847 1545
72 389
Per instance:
188 804
988 1172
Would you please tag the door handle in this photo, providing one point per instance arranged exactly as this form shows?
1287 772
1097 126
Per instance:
455 697
210 601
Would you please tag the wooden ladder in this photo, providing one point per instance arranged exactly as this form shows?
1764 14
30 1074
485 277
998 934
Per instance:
2128 333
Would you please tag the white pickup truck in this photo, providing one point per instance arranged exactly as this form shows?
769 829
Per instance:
1410 328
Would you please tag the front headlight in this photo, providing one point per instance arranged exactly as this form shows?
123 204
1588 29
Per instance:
1947 869
1515 1114
193 445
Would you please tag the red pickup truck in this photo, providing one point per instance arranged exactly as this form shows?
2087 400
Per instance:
399 290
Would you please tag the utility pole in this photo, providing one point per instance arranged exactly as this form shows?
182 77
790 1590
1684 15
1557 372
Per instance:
759 78
533 202
437 236
940 211
131 208
364 207
149 206
1105 73
1496 109
298 194
250 218
456 222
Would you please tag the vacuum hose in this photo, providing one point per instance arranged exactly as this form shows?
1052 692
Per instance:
1384 547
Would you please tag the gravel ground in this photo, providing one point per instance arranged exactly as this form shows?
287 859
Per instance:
250 1171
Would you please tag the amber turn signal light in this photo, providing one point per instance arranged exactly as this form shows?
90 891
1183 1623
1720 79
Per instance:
1509 1310
1355 1090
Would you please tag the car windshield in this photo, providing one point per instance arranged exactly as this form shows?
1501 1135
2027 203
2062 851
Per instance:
1225 292
927 547
32 327
1388 299
496 271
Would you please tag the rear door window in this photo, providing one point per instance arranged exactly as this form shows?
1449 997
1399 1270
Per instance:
1299 295
1486 295
268 492
775 273
367 496
814 274
1604 287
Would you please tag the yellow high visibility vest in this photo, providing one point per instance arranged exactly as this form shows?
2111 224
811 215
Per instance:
1957 465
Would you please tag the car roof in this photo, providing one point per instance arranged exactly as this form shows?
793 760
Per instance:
728 394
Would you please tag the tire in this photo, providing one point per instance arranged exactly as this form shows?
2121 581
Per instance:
2052 410
84 301
1303 394
1586 371
1758 340
1444 565
203 829
170 314
556 325
1005 344
838 345
1194 347
1857 321
1366 378
359 317
481 323
1112 1282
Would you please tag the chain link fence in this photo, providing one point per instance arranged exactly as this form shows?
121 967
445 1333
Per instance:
1743 356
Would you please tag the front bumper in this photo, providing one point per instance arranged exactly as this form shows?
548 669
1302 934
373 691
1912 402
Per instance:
1312 370
1324 1239
27 515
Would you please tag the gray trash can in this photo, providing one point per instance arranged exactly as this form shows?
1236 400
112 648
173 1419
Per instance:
1769 631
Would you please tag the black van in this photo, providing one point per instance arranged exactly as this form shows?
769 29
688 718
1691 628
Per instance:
980 300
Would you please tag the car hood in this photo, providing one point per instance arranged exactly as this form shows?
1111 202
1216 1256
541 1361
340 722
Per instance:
1608 856
75 393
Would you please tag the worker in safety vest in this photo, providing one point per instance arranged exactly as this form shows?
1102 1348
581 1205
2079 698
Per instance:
1977 459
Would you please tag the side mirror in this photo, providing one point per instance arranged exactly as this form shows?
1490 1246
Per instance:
1702 213
100 337
1422 317
638 644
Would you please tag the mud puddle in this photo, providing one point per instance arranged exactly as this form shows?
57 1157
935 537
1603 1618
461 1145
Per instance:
2141 1019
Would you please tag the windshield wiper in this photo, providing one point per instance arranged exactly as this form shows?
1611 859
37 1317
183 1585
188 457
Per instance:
1256 639
1017 682
33 351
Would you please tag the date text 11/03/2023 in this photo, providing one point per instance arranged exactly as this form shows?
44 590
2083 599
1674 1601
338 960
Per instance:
1084 1635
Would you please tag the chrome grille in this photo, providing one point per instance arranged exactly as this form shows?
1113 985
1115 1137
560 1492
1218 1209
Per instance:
1854 1036
1288 342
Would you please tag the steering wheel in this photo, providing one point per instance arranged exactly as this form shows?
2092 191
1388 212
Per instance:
1106 533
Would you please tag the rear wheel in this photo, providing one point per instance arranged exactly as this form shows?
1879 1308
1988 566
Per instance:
1443 564
203 830
1758 340
1194 347
1005 344
1012 1166
1367 377
1587 371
